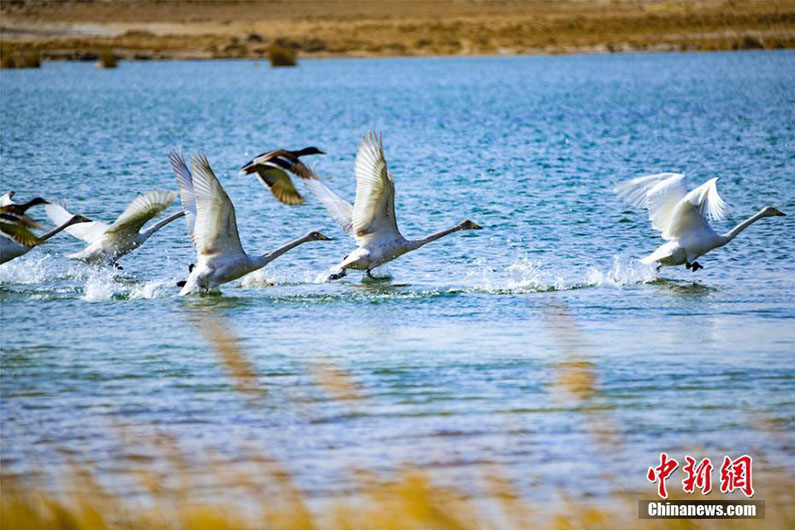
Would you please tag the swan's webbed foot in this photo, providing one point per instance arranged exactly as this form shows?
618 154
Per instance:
377 278
118 267
696 266
337 275
181 283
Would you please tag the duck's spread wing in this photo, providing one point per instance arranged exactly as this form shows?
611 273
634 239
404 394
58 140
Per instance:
374 208
215 230
280 184
18 233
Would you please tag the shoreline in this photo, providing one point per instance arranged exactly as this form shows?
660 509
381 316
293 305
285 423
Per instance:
257 60
185 29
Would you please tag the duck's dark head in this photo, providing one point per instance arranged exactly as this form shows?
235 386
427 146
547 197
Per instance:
35 202
310 151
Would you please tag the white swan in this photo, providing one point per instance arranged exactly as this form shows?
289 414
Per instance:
16 239
371 220
108 243
681 216
213 228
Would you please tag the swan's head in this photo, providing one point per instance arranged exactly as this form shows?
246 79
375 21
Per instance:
769 211
317 236
79 219
469 225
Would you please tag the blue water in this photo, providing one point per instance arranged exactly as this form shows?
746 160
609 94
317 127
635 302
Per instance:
538 345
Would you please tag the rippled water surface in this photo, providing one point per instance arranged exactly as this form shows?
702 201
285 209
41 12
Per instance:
538 344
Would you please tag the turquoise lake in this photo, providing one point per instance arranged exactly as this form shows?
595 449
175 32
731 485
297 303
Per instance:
539 345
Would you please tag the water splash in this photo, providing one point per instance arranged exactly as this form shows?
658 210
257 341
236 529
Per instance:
625 271
100 285
37 267
525 275
260 278
153 289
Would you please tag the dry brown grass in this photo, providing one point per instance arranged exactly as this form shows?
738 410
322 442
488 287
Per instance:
389 28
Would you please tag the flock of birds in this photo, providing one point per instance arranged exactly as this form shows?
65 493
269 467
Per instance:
680 215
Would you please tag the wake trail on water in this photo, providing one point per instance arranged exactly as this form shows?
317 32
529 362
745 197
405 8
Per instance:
525 275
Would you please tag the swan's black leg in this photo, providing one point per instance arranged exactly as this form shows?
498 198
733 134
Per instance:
697 266
688 265
118 267
181 283
190 267
338 275
370 275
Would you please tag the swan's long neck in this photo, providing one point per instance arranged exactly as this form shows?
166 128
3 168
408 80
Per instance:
54 231
261 261
734 232
146 234
417 243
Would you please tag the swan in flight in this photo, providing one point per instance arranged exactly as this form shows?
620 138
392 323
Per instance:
16 238
371 220
682 216
213 228
272 169
107 243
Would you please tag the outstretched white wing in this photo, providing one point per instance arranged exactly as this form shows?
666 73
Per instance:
694 209
374 207
88 232
658 193
340 209
215 228
141 210
185 183
5 200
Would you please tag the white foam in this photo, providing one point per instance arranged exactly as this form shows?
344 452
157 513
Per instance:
39 267
259 278
100 285
625 271
153 289
525 275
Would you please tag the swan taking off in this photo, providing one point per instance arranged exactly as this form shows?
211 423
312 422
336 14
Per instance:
371 220
272 170
16 237
682 216
108 243
213 228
